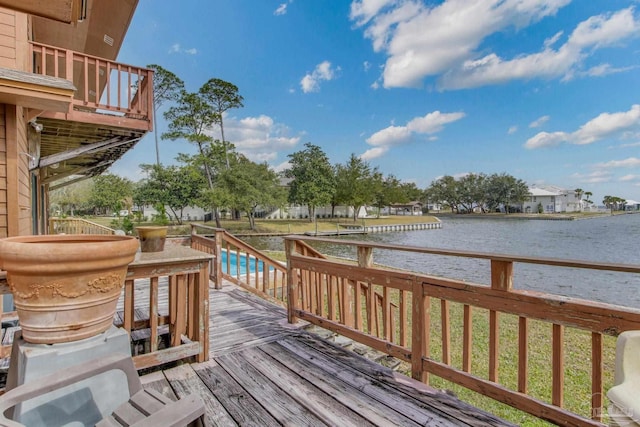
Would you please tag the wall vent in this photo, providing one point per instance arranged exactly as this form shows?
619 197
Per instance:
108 40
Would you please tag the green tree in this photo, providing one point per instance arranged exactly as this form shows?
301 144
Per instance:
356 183
313 182
614 202
588 195
191 119
73 197
174 186
445 190
505 190
250 185
222 96
472 191
166 87
110 192
386 189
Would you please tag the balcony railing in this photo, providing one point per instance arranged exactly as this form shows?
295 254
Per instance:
76 226
411 316
243 265
102 86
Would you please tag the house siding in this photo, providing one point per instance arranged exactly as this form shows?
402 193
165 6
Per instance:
3 175
17 180
14 46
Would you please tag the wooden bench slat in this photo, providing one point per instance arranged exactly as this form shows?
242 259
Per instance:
148 401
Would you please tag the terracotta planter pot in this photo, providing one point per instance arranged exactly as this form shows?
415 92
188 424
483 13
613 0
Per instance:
65 287
152 238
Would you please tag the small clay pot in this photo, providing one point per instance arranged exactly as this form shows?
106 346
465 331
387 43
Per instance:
152 238
66 287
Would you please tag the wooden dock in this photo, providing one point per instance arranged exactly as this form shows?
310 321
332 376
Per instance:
264 372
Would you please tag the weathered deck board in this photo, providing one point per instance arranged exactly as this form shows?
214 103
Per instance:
338 389
244 409
323 405
264 372
185 381
275 400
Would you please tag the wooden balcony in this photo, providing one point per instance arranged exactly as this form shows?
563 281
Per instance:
438 326
262 366
111 109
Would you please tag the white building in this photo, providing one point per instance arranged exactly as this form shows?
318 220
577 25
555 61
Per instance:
553 200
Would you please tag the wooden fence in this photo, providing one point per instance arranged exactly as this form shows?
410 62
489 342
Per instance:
240 263
409 316
76 226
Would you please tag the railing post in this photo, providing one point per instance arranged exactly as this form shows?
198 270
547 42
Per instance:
292 285
419 331
501 280
218 260
365 260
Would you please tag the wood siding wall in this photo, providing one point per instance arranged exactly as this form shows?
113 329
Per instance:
13 40
25 223
3 175
15 214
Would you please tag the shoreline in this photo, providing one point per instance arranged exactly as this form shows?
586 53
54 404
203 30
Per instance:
532 217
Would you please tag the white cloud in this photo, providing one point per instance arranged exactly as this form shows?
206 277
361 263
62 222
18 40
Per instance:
605 70
259 138
323 72
539 122
629 177
512 130
363 10
373 153
632 144
281 10
631 162
393 135
607 124
546 139
176 48
433 122
603 126
456 31
593 177
366 65
282 166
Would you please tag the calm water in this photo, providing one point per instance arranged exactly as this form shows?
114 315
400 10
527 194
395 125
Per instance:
611 239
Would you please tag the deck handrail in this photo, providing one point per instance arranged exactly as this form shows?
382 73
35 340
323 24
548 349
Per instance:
77 226
262 274
328 292
102 85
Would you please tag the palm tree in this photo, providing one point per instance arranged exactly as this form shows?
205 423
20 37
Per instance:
588 194
578 192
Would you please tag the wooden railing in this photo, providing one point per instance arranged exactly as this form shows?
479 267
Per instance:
101 85
240 263
418 325
76 226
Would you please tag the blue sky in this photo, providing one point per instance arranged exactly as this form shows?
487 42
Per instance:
545 90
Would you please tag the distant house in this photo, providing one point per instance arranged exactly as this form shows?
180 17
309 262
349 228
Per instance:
411 208
632 205
553 200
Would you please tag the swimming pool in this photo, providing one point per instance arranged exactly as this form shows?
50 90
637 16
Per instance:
241 261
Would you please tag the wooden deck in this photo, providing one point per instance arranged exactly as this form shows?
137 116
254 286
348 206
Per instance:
263 371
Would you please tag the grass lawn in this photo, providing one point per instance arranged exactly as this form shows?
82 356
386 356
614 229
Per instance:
577 348
280 226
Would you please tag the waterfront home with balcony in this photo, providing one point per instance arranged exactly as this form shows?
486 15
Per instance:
68 110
